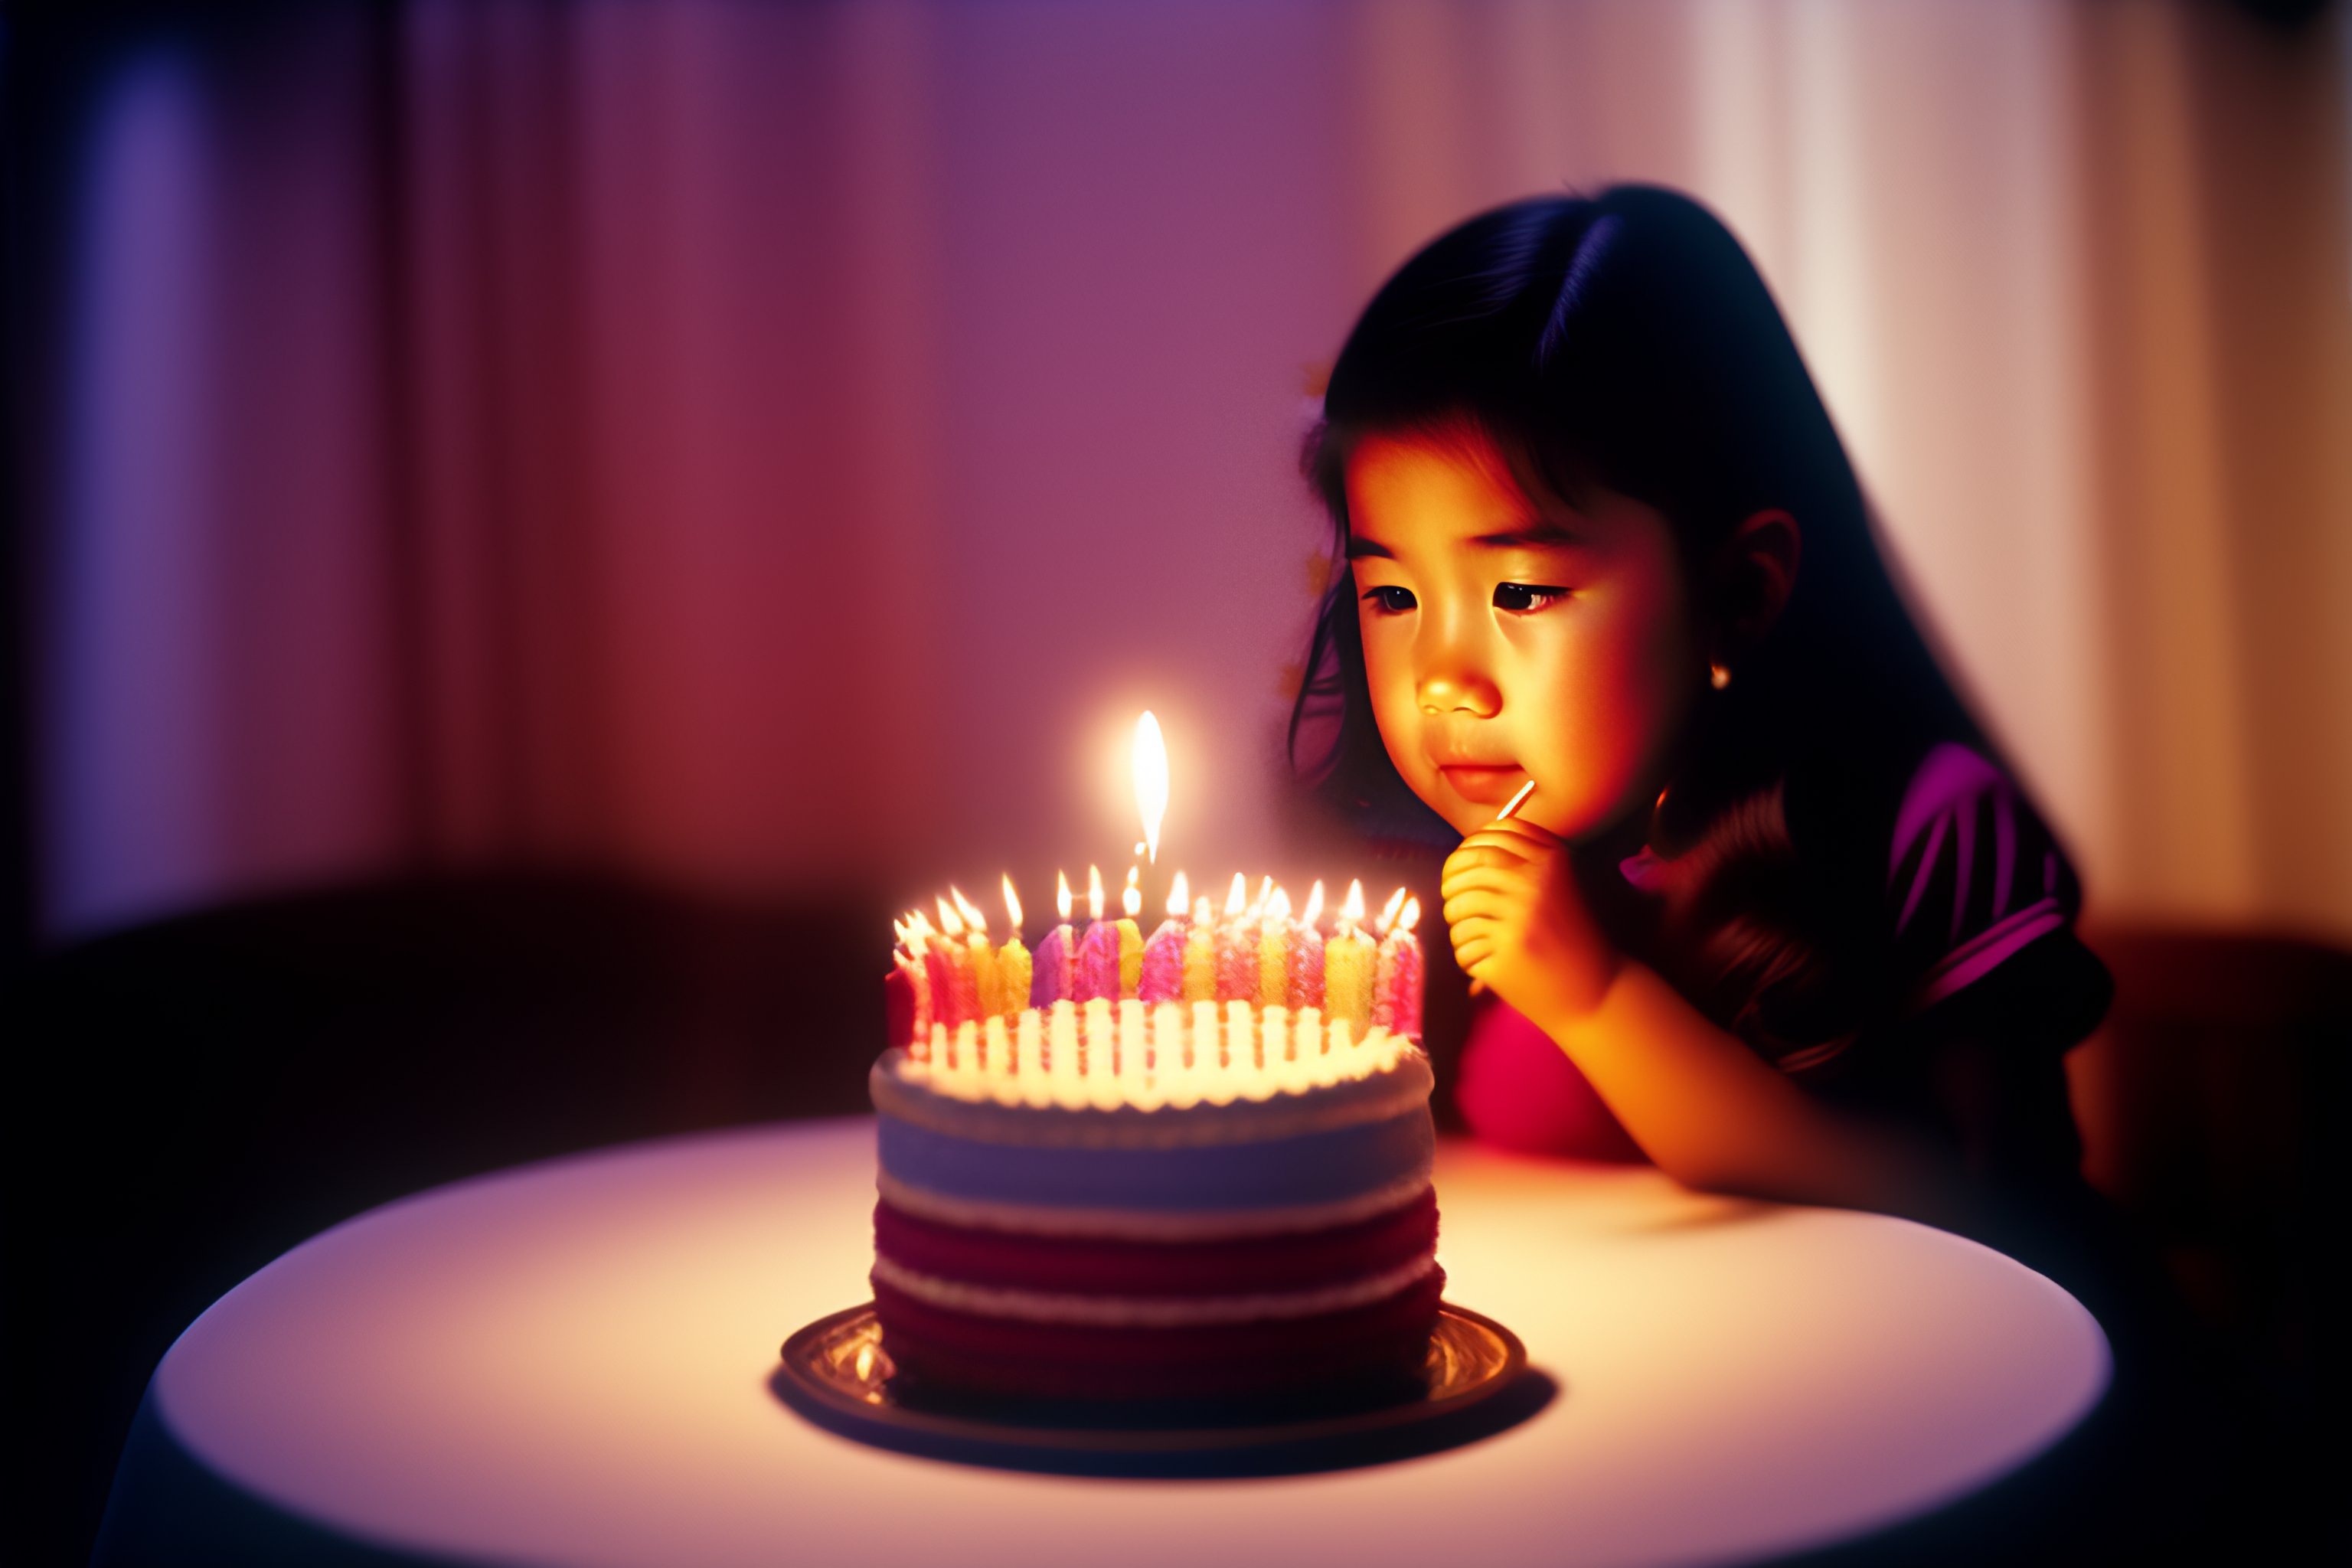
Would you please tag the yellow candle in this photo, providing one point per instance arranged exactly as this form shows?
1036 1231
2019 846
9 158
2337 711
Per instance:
1274 953
1130 936
1012 966
1347 968
1201 954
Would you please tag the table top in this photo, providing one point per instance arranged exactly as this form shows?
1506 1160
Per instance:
569 1362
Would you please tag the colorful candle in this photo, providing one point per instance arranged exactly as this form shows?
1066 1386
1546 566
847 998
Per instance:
1098 960
1348 967
1201 954
1130 936
963 983
1274 953
1236 953
1161 977
1409 973
1013 964
1054 977
1307 954
1384 964
985 982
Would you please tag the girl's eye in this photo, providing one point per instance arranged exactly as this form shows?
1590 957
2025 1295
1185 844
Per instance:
1390 601
1526 597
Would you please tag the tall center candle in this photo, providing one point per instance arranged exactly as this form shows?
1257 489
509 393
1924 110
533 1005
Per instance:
1130 936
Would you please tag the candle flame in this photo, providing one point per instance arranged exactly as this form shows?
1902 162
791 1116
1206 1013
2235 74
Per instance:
1352 910
1277 908
1130 900
1202 912
1389 911
1179 896
1313 911
973 920
949 921
1238 899
1062 896
1013 907
1265 891
1094 893
1411 915
1151 780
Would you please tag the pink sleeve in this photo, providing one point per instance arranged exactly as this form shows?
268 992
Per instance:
1972 877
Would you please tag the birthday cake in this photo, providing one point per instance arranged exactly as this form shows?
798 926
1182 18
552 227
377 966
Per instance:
1196 1166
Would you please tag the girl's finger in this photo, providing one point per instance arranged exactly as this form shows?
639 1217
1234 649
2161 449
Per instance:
1534 838
1487 880
1476 905
1490 846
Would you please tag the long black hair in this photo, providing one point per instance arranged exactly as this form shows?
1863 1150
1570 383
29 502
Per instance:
1624 341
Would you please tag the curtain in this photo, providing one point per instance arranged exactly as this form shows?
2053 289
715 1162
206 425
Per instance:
775 448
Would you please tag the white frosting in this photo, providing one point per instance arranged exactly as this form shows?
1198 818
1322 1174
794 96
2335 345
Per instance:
1148 1224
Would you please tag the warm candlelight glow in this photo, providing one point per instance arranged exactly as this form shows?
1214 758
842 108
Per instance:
1352 910
1179 896
1094 893
949 921
1278 906
1411 915
973 920
1062 896
1313 911
1202 914
1013 906
1151 780
1130 900
1238 899
1389 911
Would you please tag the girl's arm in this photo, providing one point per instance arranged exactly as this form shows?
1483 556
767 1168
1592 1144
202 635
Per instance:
1707 1109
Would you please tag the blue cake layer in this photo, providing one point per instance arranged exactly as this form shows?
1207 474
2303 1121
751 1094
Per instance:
1324 1166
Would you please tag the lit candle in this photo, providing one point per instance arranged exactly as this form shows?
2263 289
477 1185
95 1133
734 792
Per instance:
964 984
1097 960
1384 964
1236 953
1307 954
1151 763
1274 953
1348 967
1408 972
1131 935
1201 954
1013 964
1054 978
985 982
1161 975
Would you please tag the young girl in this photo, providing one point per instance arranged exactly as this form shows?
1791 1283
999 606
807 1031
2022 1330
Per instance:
1773 892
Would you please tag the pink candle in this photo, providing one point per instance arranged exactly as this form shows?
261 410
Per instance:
1163 978
1098 960
1401 964
1236 949
1307 954
1053 976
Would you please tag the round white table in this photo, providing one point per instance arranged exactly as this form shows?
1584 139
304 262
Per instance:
569 1363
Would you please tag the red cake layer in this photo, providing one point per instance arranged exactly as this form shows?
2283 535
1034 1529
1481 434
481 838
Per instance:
1008 1356
1244 1266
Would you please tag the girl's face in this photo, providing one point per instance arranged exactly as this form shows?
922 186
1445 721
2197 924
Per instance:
1508 639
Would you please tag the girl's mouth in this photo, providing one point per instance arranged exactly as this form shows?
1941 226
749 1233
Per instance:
1483 785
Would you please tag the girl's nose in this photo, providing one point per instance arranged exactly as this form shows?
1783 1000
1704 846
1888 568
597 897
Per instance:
1460 691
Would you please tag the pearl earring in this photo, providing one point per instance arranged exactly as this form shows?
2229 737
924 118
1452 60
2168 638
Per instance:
1718 675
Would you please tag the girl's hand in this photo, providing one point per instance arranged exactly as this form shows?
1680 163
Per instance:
1520 926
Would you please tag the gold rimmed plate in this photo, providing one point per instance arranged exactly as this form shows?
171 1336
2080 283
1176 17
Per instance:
1476 1381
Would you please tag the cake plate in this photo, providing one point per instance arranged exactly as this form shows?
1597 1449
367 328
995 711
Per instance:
1476 1382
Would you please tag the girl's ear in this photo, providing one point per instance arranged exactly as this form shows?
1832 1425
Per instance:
1755 570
